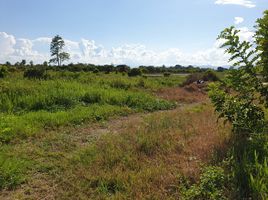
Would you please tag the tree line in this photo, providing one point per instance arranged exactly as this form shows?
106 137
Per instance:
59 56
79 67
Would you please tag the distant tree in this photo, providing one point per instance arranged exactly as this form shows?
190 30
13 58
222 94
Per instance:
167 74
23 62
221 69
107 68
135 72
35 73
178 66
122 68
57 53
143 69
45 63
31 63
96 70
8 63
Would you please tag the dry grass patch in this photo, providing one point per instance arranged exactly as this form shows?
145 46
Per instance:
146 162
135 157
193 93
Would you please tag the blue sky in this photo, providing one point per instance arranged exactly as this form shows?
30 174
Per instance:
97 30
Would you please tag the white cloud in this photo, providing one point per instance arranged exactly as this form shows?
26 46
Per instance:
246 34
246 3
238 20
7 43
87 51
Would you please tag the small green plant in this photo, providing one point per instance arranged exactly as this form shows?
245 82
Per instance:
210 187
11 172
259 178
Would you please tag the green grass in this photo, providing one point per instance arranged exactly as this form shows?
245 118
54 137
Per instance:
30 106
141 161
12 169
37 115
22 126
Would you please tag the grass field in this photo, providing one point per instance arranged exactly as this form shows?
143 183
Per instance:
28 106
104 136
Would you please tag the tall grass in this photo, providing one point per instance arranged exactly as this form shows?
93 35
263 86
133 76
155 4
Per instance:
28 106
55 95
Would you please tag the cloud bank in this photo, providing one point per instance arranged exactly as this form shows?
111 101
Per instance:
87 51
245 3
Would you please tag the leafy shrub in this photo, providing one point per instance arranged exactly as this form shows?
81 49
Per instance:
207 76
210 76
35 73
210 187
135 72
241 99
167 74
3 71
96 70
192 78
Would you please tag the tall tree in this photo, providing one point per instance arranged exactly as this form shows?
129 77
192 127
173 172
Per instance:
57 53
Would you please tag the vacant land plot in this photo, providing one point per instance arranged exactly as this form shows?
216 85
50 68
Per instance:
92 137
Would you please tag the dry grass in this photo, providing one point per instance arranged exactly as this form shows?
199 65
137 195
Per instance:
139 157
193 93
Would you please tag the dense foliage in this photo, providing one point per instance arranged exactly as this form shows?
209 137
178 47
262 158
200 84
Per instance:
124 69
262 43
240 99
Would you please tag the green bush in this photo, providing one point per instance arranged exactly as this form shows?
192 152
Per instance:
35 73
210 76
135 72
167 74
210 187
207 76
193 78
3 71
